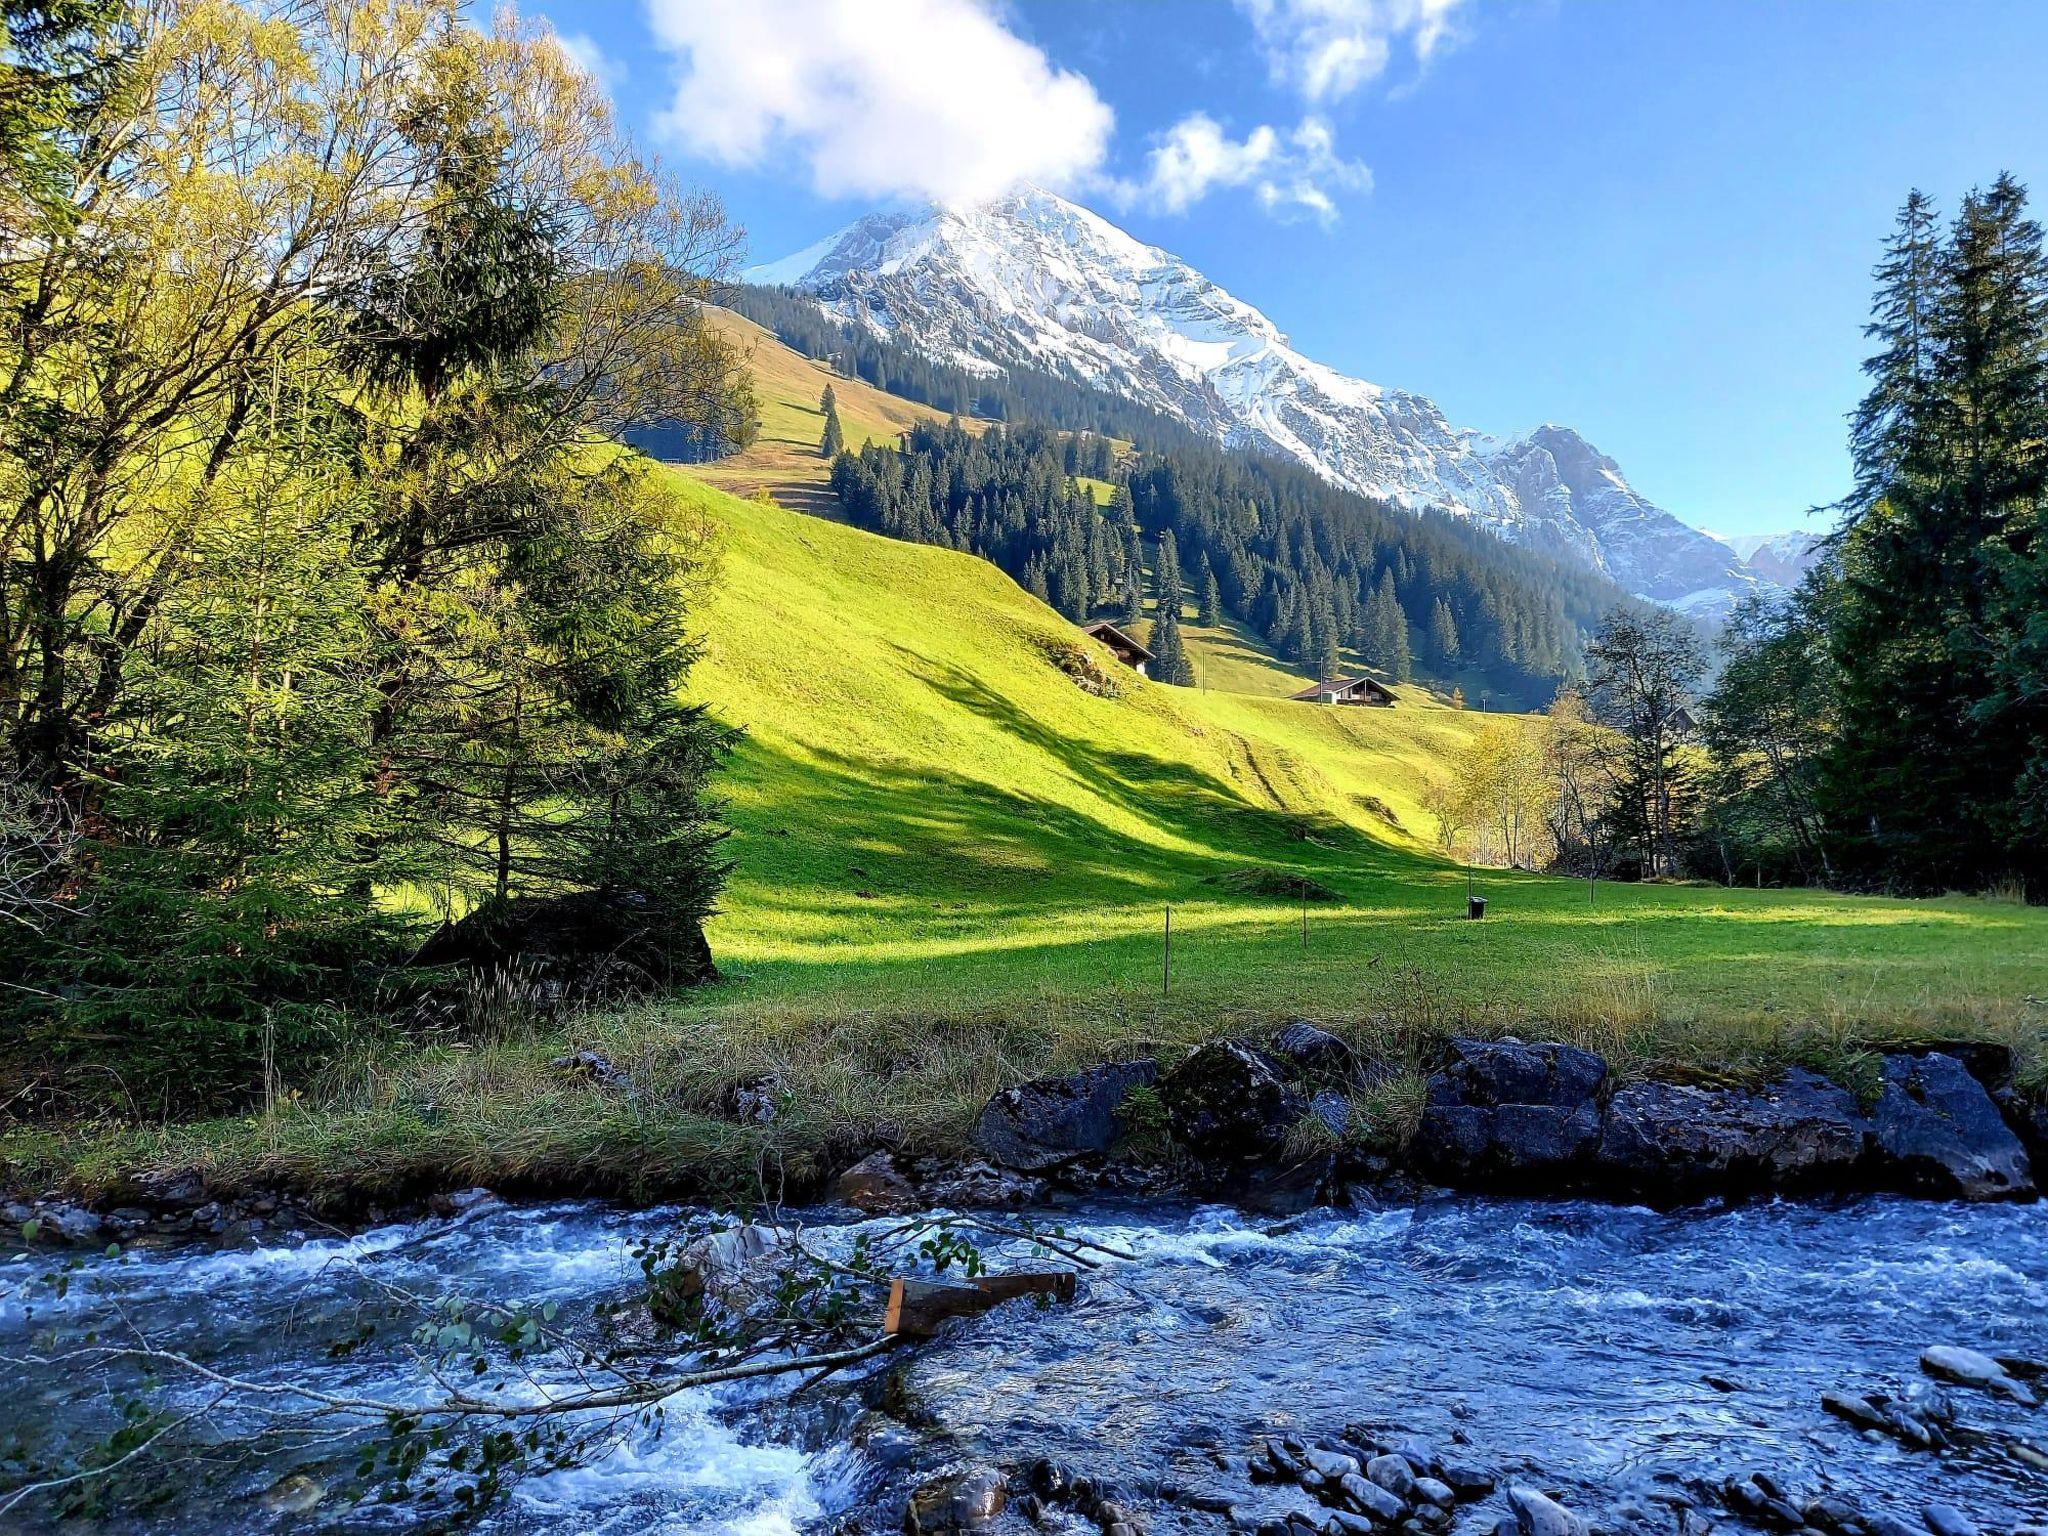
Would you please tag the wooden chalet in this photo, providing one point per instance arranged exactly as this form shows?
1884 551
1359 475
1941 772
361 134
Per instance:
1121 645
1349 690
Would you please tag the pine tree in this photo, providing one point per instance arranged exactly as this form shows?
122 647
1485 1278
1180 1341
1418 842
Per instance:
1387 626
1169 657
1943 725
1210 613
833 443
1167 593
1443 633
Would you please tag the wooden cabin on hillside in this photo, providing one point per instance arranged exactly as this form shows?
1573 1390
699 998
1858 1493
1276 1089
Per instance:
1121 645
1350 690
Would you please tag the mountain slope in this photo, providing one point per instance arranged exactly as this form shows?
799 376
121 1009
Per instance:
1034 279
933 820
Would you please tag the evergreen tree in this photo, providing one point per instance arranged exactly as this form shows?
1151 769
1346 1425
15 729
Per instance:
1170 662
1941 712
1387 626
1210 613
1167 593
1443 633
833 443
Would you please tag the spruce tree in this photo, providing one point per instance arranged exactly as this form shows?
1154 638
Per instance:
833 443
1210 613
1443 633
1169 657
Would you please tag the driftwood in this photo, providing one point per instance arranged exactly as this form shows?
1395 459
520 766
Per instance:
917 1307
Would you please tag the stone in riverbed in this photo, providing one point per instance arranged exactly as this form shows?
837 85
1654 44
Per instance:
878 1187
1371 1499
1537 1514
1968 1368
1503 1113
1228 1100
965 1502
1394 1474
1935 1131
1670 1140
1332 1464
1467 1482
294 1495
1053 1120
1947 1520
1859 1411
1431 1491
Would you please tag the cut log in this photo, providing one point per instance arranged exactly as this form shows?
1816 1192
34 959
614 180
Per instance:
917 1307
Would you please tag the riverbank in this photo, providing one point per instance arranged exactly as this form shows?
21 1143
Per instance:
743 1110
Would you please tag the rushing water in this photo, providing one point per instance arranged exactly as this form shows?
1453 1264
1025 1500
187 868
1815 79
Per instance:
1568 1343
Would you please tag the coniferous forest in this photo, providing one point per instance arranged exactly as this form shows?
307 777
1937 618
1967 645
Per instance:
1314 569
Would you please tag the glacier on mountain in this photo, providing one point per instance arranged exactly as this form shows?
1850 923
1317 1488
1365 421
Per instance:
1033 279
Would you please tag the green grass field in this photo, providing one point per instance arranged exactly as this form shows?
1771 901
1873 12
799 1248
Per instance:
952 866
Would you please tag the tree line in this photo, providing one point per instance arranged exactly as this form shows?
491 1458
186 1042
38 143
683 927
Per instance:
1321 573
327 607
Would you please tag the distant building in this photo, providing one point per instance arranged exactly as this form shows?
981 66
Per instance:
1350 690
1682 723
1121 645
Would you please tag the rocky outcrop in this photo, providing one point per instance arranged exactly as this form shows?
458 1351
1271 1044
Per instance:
1505 1114
1671 1141
1054 1120
1230 1100
1935 1131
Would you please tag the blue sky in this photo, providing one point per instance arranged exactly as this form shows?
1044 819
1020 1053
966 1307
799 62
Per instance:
1652 221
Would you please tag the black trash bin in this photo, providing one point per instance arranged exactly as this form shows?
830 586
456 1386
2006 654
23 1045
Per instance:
1475 907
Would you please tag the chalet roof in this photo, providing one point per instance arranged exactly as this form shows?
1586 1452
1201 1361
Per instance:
1344 685
1109 634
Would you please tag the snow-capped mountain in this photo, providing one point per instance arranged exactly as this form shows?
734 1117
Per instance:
1782 558
1032 278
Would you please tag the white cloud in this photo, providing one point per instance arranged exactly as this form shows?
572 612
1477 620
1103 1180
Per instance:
585 54
878 98
1291 174
1326 49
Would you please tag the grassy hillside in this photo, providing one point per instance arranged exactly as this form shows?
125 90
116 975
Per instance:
785 461
952 865
932 815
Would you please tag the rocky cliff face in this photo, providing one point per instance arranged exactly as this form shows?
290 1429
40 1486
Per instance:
1034 279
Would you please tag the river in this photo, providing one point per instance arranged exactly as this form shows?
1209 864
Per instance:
1566 1344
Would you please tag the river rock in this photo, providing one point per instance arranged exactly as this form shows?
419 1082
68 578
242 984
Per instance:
1947 1520
1308 1050
1228 1100
1467 1482
1670 1140
1394 1474
1936 1132
1431 1491
737 1268
1371 1499
1537 1514
877 1186
1504 1113
1053 1120
1859 1411
1332 1464
1968 1368
294 1495
962 1502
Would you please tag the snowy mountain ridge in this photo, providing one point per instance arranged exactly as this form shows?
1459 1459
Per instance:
1034 279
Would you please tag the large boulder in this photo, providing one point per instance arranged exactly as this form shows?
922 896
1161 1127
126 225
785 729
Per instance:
578 945
1670 1141
1502 1113
1229 1100
1935 1131
1054 1120
1306 1050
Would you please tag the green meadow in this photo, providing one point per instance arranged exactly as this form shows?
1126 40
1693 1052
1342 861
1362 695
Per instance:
953 866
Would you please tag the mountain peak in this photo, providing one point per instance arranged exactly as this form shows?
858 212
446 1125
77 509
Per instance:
1032 278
